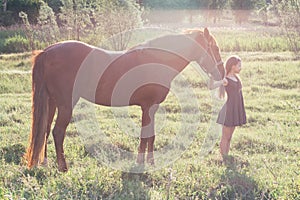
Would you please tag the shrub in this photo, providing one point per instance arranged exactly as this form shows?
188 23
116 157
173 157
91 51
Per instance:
288 13
16 44
6 18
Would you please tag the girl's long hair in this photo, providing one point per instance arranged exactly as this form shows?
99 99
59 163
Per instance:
231 61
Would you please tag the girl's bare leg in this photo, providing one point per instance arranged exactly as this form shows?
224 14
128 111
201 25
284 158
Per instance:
225 140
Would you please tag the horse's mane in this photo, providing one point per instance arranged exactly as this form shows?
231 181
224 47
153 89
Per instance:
191 31
147 42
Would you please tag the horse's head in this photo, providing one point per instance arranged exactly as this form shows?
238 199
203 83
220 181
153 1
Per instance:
211 62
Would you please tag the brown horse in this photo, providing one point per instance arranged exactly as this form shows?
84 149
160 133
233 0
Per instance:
66 71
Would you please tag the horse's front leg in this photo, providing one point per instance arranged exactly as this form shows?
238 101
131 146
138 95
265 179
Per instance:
150 155
147 135
141 151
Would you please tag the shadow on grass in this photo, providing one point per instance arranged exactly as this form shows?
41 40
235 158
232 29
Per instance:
135 185
13 153
236 184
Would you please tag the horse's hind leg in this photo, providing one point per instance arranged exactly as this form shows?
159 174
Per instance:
150 140
147 135
52 108
63 119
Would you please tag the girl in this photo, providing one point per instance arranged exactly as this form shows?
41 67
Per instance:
232 113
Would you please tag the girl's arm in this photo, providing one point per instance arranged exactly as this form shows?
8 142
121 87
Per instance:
215 84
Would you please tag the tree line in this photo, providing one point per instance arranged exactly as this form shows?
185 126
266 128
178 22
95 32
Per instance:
47 21
56 20
10 9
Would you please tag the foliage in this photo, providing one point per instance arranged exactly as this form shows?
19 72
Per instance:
99 17
265 39
126 16
217 4
45 32
242 4
81 20
177 4
6 33
31 7
241 9
15 44
29 31
48 31
55 5
75 17
89 20
288 13
6 18
206 4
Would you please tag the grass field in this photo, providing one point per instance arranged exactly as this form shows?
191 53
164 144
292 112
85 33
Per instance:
265 152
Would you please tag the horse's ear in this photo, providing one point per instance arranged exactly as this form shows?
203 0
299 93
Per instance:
206 34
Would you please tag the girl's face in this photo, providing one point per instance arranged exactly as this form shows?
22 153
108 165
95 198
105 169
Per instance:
237 68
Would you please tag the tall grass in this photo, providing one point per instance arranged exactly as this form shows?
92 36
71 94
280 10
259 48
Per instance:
252 40
265 39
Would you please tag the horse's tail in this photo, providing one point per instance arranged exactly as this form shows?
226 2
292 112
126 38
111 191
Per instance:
40 109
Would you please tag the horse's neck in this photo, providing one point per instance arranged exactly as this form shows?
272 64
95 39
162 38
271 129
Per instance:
181 45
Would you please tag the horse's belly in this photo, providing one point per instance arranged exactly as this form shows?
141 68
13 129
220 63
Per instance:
137 95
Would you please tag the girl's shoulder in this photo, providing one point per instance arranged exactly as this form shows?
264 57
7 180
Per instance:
232 78
234 81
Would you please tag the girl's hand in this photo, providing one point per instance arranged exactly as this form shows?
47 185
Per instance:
225 82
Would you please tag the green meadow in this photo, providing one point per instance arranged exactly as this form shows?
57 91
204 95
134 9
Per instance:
265 153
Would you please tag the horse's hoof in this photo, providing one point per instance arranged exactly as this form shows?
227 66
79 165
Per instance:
62 167
44 163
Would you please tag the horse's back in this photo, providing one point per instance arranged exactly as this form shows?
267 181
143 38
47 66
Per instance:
68 49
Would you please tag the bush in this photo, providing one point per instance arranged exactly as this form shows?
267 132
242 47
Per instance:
31 7
16 44
6 18
288 13
6 33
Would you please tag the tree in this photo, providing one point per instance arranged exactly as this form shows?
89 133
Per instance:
29 32
215 8
176 4
242 4
4 4
242 9
288 14
48 31
45 31
55 5
99 19
30 7
75 16
118 18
